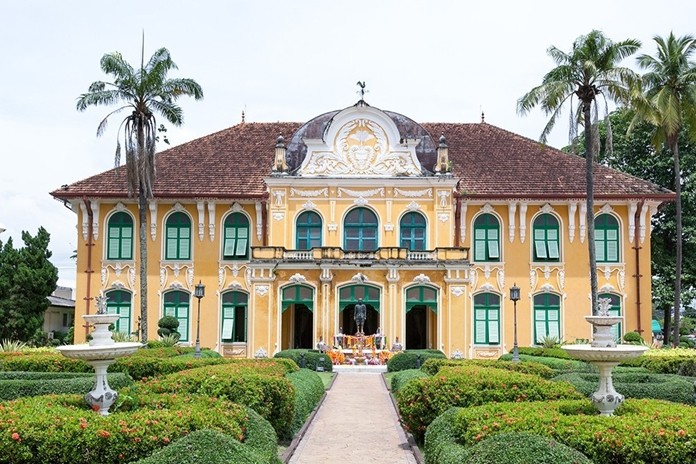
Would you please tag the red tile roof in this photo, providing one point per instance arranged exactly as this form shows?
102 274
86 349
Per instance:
490 163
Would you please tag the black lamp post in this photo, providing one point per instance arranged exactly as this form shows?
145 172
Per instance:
515 296
199 293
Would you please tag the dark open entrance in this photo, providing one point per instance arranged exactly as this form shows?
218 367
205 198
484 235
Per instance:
302 326
371 321
297 324
417 328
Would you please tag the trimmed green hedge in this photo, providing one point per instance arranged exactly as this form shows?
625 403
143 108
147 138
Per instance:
641 431
401 378
433 366
311 357
679 365
543 352
213 447
259 384
62 429
409 359
422 400
557 364
514 447
18 384
636 385
309 390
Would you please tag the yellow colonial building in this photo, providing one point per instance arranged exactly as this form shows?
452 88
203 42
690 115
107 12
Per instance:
289 225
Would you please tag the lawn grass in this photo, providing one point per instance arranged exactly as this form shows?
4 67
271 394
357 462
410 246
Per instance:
326 377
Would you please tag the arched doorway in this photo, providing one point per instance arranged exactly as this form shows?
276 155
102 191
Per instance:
421 318
348 297
297 317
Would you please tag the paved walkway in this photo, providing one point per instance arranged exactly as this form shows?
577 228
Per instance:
355 424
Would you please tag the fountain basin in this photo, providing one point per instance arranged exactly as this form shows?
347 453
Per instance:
616 354
95 353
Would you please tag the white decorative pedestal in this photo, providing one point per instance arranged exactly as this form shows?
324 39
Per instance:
100 353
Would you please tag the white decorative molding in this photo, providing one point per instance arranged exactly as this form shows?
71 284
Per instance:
95 219
153 219
359 277
607 288
487 287
413 206
547 209
176 270
309 204
583 221
85 220
211 220
487 208
262 290
473 279
131 277
176 286
393 275
326 275
278 215
309 193
260 353
278 195
622 279
259 223
572 208
332 227
360 201
651 208
200 206
178 207
236 286
443 217
462 222
361 141
361 193
523 221
561 279
512 207
457 354
632 208
606 209
189 277
413 193
532 279
443 195
236 207
389 227
421 279
297 278
501 279
120 207
457 291
546 288
104 276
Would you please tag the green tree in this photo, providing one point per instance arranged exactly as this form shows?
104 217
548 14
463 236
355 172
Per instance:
666 98
144 92
27 278
590 71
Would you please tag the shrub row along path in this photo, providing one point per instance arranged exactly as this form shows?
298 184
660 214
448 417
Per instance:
356 423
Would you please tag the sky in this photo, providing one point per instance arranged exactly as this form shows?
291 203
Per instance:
277 60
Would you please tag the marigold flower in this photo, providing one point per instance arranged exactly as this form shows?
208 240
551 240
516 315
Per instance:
16 437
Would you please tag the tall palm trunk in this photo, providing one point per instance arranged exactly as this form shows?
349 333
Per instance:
589 179
142 216
678 239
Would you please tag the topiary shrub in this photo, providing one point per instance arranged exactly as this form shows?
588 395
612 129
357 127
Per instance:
554 352
633 338
641 431
259 384
311 358
401 378
42 362
409 359
62 429
309 390
18 384
680 361
638 385
422 400
168 325
441 447
559 366
433 366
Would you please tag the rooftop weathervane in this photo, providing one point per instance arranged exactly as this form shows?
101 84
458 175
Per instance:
362 90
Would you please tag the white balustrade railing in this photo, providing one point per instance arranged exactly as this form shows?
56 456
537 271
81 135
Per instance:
421 256
298 255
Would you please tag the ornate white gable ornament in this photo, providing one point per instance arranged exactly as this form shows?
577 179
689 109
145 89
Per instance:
422 279
361 141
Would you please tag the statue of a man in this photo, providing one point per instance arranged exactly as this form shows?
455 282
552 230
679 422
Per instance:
360 316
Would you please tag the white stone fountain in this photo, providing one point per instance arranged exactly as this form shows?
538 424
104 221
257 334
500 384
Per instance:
100 353
604 353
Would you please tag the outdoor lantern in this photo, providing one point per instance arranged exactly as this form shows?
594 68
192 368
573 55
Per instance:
515 292
199 293
515 296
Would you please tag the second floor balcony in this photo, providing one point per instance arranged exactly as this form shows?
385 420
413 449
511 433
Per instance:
337 255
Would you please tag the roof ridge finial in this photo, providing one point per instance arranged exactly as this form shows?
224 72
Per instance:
243 117
483 117
361 92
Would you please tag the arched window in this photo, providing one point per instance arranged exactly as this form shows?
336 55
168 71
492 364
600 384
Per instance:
547 317
421 296
546 238
236 237
178 245
308 230
360 230
614 310
487 319
176 304
298 294
234 317
486 238
119 302
413 231
607 238
120 236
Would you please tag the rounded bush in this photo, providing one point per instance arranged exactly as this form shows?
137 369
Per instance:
633 338
309 390
19 384
521 447
433 366
401 378
409 359
311 358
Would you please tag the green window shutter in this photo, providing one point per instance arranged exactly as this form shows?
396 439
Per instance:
493 251
242 242
487 319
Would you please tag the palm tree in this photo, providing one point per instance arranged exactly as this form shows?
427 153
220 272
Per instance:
143 92
666 97
589 71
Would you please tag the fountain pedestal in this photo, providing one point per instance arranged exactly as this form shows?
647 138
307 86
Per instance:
100 353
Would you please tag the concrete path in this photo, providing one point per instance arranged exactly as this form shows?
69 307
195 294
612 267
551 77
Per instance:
355 424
